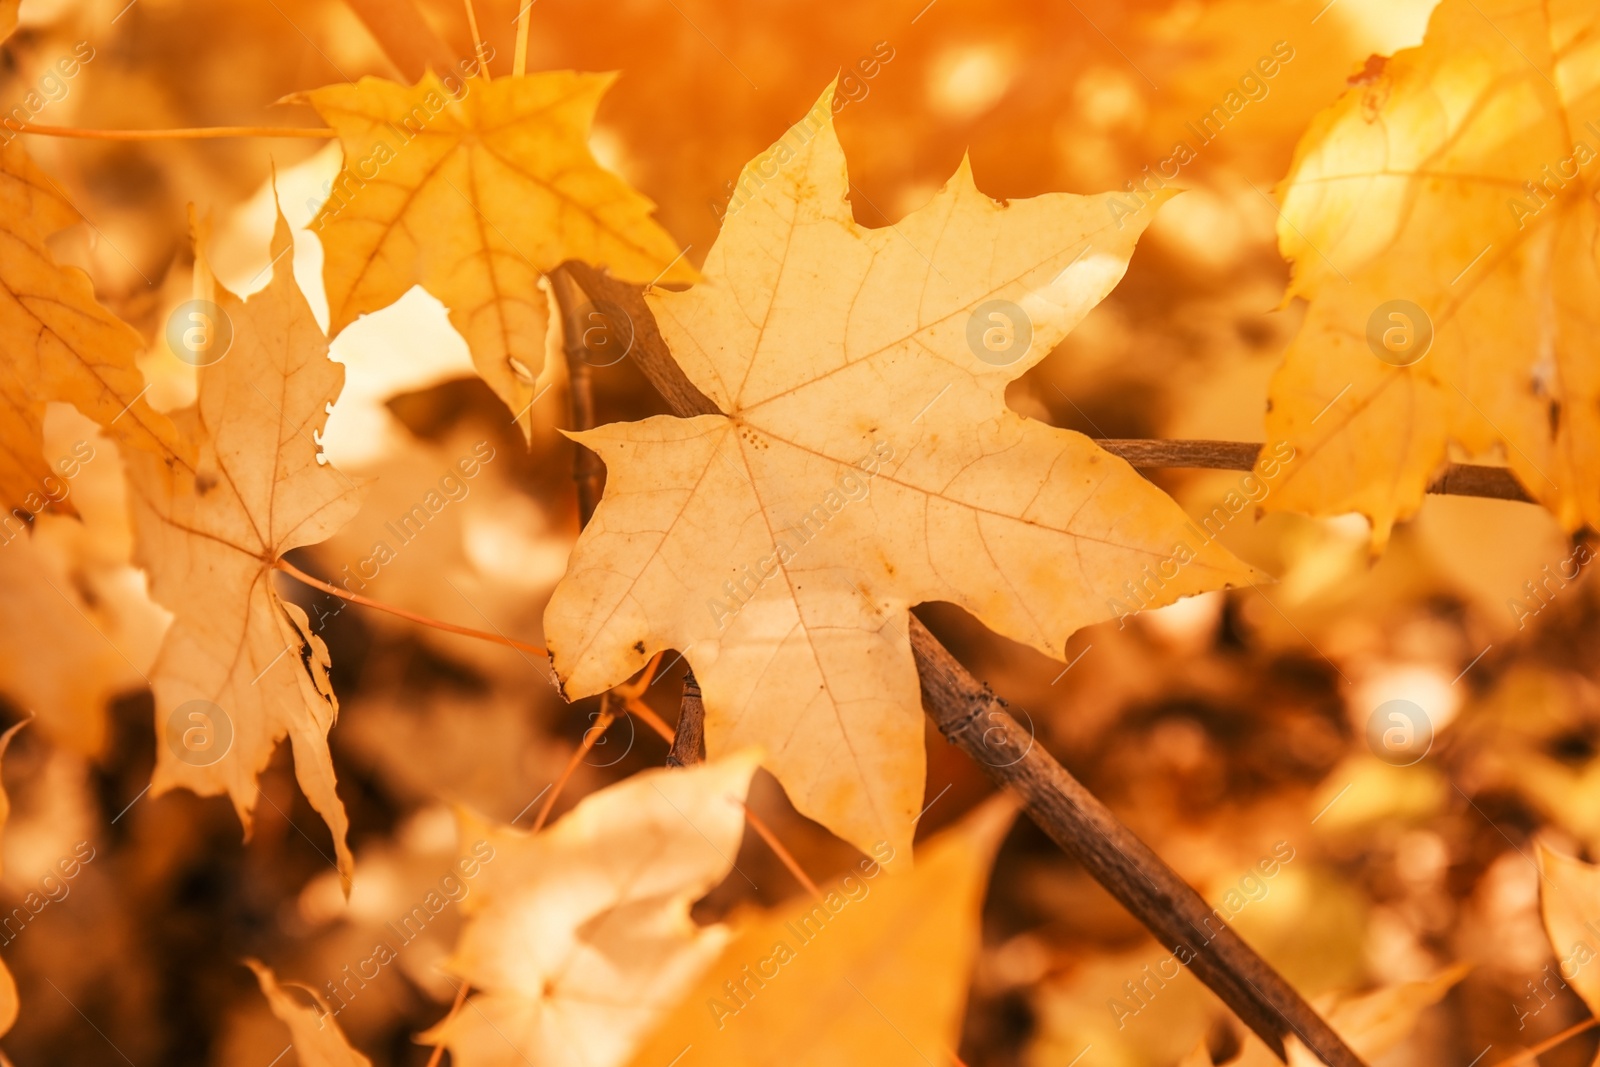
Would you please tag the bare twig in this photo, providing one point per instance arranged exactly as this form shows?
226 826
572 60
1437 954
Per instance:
587 470
1458 479
1057 801
689 743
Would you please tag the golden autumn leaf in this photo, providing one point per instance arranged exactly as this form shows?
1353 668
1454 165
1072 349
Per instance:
866 462
1569 903
1376 1022
57 343
318 1041
1371 1023
875 972
1441 217
579 937
240 668
473 193
9 1004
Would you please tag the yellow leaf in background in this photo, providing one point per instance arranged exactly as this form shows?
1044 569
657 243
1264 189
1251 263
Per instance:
1371 1024
580 937
9 1004
57 343
240 668
8 17
876 972
473 195
318 1041
867 462
1569 902
1442 221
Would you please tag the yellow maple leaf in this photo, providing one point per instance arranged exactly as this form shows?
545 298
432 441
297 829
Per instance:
318 1041
866 462
579 937
473 194
240 668
1441 217
875 972
58 344
1371 1023
1569 902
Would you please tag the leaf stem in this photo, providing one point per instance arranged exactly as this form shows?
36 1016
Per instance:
765 832
590 737
192 133
519 58
644 711
449 627
477 40
1549 1043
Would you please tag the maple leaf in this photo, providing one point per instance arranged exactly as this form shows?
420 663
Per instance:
9 1003
1371 1024
240 668
580 936
473 195
57 343
1441 217
866 462
318 1041
875 972
1569 903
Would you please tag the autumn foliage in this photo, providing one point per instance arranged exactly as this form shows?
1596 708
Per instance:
618 448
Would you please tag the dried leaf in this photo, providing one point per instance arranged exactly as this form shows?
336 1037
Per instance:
318 1041
474 195
240 668
579 937
1569 901
58 344
876 972
867 462
1450 196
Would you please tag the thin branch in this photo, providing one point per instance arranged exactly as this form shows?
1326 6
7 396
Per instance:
1055 800
1458 479
689 743
449 627
1530 1054
587 470
192 133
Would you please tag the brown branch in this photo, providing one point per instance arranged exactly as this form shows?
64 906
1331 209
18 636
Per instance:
587 470
689 743
971 716
1458 479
